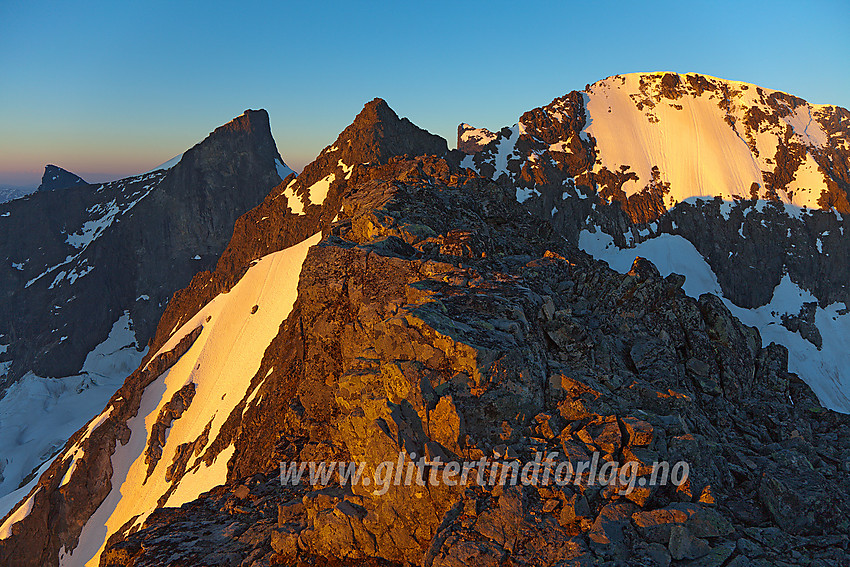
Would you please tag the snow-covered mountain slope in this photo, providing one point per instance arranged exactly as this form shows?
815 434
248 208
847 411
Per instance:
209 380
755 180
711 138
652 140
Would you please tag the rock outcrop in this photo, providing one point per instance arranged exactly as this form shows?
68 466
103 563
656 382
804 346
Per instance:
435 319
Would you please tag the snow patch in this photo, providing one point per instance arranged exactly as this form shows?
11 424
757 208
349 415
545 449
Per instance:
504 150
523 194
478 136
292 200
318 191
562 147
346 169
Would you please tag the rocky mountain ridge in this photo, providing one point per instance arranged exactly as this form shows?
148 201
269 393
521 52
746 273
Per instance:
401 301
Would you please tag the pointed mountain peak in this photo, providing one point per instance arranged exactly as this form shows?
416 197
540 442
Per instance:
252 126
378 134
251 132
377 110
57 178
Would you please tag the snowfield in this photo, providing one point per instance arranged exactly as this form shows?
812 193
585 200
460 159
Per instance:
701 148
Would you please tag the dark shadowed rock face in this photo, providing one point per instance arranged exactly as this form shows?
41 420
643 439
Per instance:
57 178
378 134
73 261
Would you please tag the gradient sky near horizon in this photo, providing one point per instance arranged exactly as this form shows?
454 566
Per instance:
109 89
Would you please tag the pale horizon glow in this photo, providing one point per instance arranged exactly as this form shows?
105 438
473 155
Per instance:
118 88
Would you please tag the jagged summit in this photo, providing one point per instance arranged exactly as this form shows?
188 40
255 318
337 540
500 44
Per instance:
251 129
57 178
673 77
378 134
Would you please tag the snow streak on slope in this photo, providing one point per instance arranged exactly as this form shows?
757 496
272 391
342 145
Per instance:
21 513
825 370
38 415
237 327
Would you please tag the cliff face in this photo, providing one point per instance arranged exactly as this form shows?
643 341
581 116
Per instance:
76 259
409 305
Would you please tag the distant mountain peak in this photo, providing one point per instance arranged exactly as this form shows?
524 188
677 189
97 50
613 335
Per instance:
57 178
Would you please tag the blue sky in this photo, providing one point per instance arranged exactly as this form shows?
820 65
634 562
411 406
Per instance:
107 89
